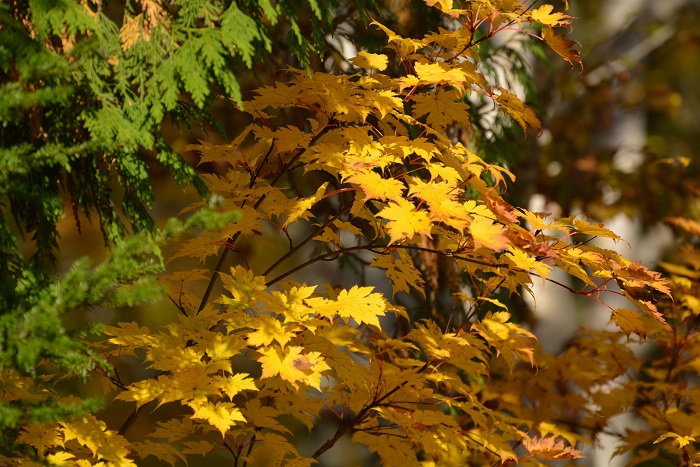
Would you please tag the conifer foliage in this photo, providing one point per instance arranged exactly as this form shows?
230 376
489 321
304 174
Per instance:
85 87
365 167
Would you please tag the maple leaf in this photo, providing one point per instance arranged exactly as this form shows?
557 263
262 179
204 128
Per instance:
528 262
377 187
103 443
544 15
294 365
244 287
263 416
629 321
40 436
232 385
165 452
442 207
197 447
681 440
689 225
509 339
442 108
487 234
513 106
268 329
597 230
405 46
302 208
222 415
562 46
462 350
358 303
286 139
368 61
400 271
435 73
549 448
404 221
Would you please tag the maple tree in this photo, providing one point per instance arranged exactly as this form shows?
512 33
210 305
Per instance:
365 168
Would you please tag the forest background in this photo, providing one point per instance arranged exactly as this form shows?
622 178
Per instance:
617 142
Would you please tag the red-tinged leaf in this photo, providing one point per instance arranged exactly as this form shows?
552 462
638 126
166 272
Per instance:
562 46
551 449
499 206
294 365
689 225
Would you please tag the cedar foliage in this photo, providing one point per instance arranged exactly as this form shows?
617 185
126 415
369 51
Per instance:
366 168
85 87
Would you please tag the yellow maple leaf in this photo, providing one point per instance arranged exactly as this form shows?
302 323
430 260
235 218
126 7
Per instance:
40 436
401 271
377 187
518 111
232 385
368 61
528 262
404 220
285 139
268 329
629 321
509 339
442 108
222 415
244 286
443 208
292 303
681 440
294 365
436 73
404 45
103 443
487 234
597 230
163 451
544 15
358 303
302 208
62 458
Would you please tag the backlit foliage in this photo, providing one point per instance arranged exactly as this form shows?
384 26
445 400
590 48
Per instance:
373 172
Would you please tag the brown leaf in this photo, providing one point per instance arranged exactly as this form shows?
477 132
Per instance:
562 46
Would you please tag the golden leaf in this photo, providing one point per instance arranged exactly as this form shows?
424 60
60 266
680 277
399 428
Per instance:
405 221
368 61
294 365
222 415
544 15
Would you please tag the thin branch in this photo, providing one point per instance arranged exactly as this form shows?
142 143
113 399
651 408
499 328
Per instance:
359 418
293 250
373 247
232 241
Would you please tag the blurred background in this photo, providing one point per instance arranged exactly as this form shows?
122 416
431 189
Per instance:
620 142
